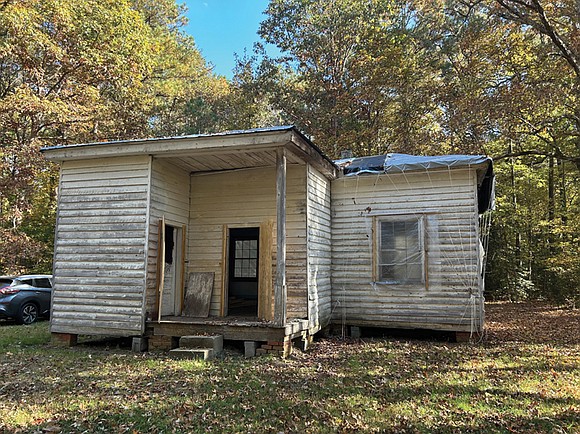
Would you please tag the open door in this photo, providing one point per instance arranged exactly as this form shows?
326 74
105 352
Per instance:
243 274
170 269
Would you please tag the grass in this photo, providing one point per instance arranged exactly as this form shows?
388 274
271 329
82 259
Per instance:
369 385
14 337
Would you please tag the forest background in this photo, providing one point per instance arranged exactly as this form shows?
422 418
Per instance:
494 77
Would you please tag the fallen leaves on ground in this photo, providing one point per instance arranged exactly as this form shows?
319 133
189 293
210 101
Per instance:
523 378
532 322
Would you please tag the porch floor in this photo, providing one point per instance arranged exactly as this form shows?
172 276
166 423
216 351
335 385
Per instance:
231 328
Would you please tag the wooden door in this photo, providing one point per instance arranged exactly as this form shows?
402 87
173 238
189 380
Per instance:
171 257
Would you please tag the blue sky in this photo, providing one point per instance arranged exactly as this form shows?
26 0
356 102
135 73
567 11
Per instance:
224 27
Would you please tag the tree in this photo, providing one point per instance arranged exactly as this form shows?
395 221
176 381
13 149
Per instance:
496 77
544 128
74 71
332 79
557 20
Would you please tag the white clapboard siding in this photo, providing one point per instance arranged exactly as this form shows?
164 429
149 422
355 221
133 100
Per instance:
99 258
447 201
247 198
319 250
169 200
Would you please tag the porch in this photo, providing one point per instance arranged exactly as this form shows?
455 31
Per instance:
137 218
231 328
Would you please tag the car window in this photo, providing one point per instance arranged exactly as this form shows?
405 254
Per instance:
5 282
42 283
22 282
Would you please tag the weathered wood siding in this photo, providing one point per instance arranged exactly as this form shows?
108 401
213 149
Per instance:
247 198
169 199
447 201
319 249
99 260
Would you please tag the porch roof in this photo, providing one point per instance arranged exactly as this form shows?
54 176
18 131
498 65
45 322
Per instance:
208 152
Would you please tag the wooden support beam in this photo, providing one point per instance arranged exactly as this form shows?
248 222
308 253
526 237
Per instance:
280 286
265 292
306 152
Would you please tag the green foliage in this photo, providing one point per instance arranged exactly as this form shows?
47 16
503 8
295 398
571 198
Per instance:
74 71
534 252
493 77
562 265
355 74
248 104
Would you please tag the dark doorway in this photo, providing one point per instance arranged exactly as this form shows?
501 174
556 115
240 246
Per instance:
243 272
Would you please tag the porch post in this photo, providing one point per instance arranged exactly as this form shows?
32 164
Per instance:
280 287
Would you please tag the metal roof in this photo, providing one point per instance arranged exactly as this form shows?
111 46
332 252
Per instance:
248 145
185 137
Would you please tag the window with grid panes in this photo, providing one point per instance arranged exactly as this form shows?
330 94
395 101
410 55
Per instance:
246 259
401 255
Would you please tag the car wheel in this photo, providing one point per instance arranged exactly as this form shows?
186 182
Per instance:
28 313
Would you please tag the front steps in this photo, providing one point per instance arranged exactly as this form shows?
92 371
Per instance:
198 347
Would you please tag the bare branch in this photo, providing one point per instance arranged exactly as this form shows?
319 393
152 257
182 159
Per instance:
532 13
538 153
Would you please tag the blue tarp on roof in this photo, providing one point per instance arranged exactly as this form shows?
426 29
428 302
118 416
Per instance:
399 163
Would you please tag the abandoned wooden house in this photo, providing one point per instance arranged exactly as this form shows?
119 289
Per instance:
258 236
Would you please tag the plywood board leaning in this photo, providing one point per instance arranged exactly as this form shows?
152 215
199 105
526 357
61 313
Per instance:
198 294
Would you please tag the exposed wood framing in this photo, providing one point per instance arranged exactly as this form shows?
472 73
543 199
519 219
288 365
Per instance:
245 331
298 147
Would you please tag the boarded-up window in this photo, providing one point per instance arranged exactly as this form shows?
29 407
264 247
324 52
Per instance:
400 251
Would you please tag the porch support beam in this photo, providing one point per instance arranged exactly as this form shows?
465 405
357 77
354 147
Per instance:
311 155
280 286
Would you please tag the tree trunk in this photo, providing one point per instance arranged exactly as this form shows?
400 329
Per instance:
562 192
551 205
518 234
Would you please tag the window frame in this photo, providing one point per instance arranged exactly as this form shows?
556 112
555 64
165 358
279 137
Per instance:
243 234
238 262
377 228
